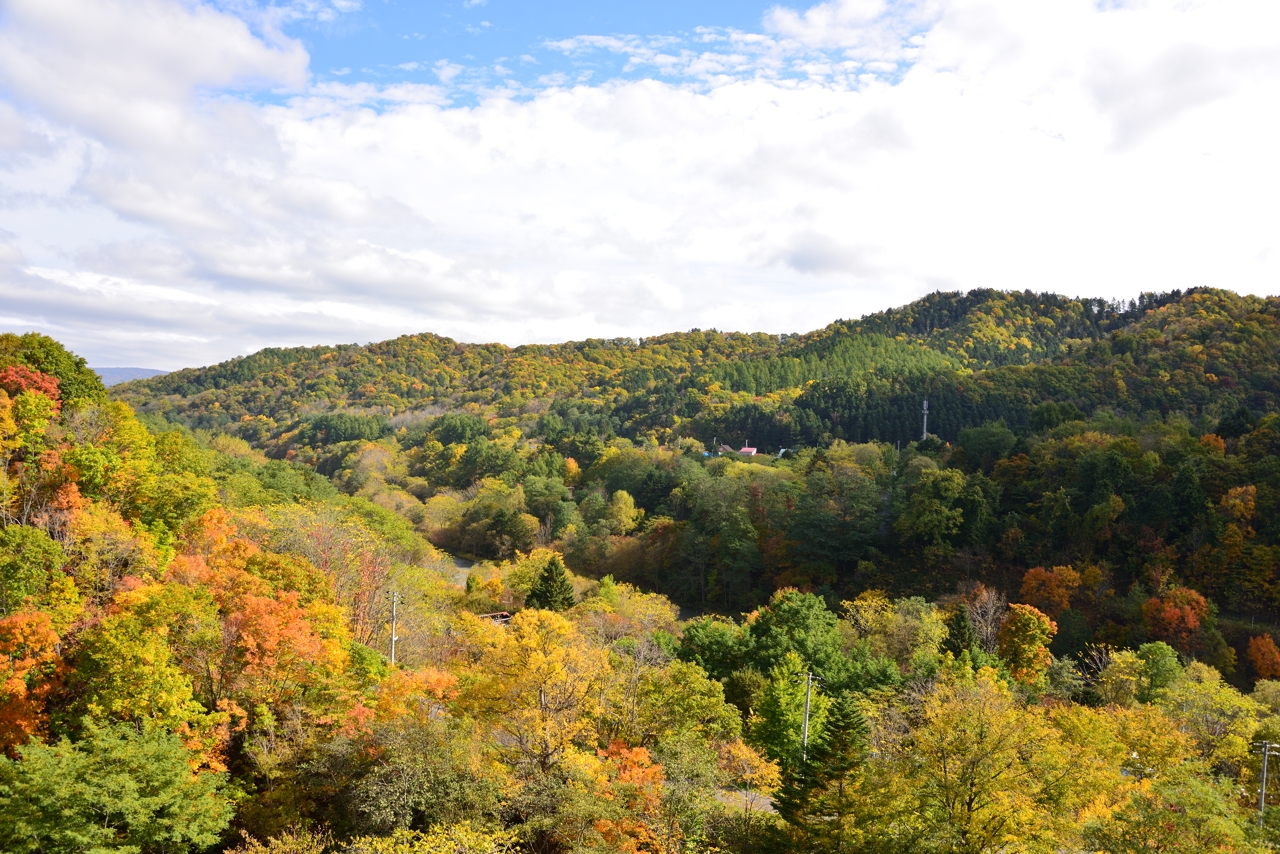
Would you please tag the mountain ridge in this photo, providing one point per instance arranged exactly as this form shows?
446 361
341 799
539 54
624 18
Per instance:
964 349
114 376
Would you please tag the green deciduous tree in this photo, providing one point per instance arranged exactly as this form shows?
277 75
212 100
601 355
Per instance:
425 773
799 623
716 644
931 516
984 446
776 727
1160 669
27 558
116 790
1175 813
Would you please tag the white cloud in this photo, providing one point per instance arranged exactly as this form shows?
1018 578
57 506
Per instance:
127 72
850 156
446 70
868 29
111 286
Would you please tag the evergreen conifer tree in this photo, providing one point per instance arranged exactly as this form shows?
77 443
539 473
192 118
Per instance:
822 800
960 632
553 590
792 800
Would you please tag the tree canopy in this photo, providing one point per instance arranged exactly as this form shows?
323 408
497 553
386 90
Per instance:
1048 625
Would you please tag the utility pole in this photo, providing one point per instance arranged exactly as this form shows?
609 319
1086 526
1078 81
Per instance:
804 732
1264 747
924 433
395 600
1262 795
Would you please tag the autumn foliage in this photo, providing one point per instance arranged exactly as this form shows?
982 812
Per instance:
196 623
1050 590
1024 640
1176 617
28 666
16 379
1265 657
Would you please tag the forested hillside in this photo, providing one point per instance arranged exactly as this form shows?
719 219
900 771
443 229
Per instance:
1046 627
1064 432
1200 353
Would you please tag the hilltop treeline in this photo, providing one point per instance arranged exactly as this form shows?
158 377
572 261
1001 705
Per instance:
977 357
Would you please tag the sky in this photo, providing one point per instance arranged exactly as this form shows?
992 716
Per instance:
185 182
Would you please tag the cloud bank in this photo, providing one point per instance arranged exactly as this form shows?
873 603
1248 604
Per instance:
176 188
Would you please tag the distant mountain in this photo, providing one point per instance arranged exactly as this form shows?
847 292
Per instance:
115 376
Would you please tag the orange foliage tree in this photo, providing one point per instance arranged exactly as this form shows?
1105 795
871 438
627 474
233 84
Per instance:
28 667
15 379
421 693
1050 590
1265 657
633 787
213 645
243 643
1176 617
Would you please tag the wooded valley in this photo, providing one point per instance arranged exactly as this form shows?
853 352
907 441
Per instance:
1046 624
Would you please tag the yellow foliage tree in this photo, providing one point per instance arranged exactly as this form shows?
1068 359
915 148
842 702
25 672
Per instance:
1218 719
988 772
1024 643
539 684
457 839
755 776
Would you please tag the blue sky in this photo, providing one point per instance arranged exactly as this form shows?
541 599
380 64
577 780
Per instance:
375 42
184 181
478 49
